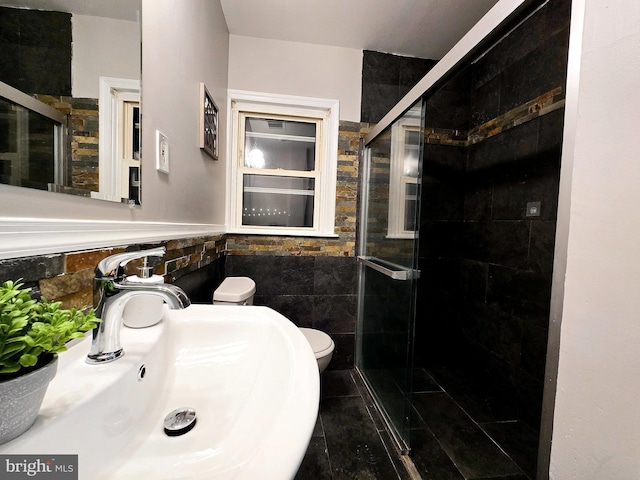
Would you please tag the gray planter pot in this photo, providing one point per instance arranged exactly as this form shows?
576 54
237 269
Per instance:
20 400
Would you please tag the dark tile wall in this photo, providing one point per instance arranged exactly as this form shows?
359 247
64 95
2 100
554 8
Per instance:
484 299
200 284
35 51
530 62
387 309
437 327
386 78
507 257
315 292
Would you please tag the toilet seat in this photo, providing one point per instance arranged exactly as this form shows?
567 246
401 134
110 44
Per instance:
320 342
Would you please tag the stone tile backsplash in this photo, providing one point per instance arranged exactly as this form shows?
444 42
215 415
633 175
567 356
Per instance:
68 277
83 142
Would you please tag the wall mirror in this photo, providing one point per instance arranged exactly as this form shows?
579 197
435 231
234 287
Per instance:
70 97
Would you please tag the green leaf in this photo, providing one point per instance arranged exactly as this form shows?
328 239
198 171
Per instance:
28 360
10 368
8 351
19 323
31 327
18 338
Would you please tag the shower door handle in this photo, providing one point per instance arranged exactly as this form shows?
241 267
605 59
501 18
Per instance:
395 271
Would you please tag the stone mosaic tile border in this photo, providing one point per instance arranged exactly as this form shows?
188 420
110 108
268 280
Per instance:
539 106
68 277
286 246
83 141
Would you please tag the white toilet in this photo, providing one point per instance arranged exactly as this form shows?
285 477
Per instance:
240 291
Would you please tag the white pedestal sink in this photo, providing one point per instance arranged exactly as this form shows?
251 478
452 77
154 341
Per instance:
248 372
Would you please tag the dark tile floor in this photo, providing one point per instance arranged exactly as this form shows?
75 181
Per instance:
448 442
349 441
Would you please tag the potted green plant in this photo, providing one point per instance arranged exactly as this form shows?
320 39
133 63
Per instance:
32 333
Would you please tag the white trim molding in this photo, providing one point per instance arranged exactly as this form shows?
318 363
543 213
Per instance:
23 237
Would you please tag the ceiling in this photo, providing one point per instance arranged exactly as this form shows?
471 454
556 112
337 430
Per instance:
418 28
121 9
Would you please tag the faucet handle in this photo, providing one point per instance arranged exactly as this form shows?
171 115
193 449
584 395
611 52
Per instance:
113 264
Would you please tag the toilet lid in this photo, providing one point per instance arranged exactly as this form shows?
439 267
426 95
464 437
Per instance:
318 340
235 289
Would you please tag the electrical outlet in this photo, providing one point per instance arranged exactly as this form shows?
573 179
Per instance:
162 152
533 209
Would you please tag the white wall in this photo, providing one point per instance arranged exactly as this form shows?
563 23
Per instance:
102 47
289 68
597 425
185 42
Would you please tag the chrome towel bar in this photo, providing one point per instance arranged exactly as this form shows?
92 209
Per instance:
395 271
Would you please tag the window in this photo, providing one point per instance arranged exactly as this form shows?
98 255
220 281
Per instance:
283 164
406 136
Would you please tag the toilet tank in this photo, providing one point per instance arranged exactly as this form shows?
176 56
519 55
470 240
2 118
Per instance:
235 291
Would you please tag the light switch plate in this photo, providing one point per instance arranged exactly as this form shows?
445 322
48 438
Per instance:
162 152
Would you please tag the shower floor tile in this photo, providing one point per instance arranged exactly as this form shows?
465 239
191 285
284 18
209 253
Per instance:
464 417
519 440
470 449
473 396
423 382
429 459
350 441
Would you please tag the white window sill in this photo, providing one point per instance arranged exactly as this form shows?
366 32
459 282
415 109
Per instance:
281 233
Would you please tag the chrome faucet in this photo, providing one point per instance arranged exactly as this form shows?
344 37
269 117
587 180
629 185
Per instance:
111 291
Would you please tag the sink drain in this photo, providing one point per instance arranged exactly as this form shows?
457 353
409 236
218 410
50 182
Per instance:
179 421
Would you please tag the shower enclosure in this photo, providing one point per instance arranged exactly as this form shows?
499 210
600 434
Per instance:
460 191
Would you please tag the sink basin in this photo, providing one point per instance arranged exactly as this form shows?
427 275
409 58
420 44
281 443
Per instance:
248 372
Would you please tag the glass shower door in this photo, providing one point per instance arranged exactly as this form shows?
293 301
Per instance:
387 268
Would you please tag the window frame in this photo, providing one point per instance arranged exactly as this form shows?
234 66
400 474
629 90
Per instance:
398 181
326 113
113 94
126 104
